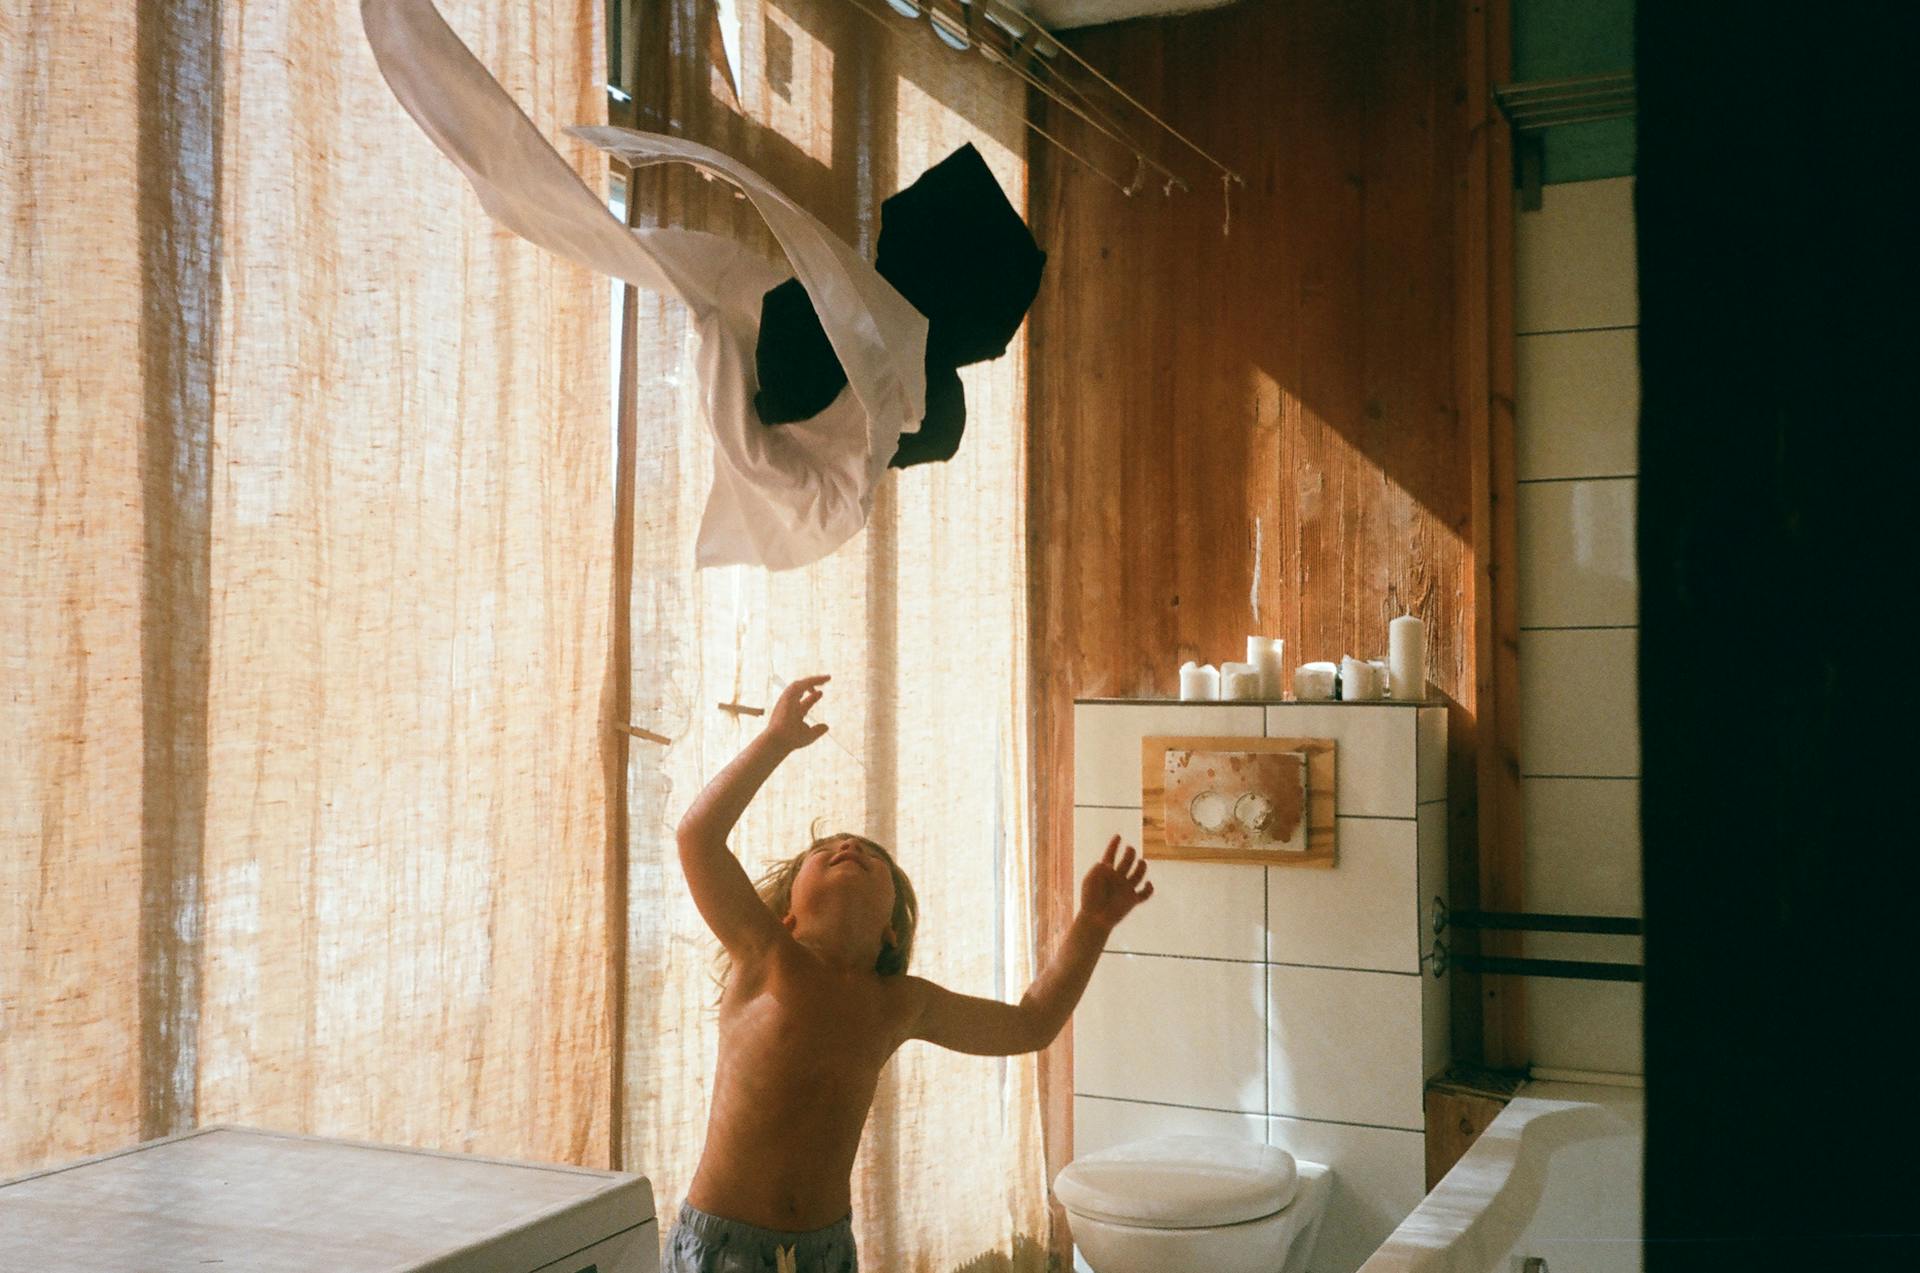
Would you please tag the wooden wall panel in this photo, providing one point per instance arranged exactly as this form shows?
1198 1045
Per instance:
1287 395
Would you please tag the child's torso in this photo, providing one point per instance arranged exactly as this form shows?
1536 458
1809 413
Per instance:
801 1049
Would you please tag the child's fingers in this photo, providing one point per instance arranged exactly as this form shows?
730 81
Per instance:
818 730
1126 862
1146 891
1138 873
1113 847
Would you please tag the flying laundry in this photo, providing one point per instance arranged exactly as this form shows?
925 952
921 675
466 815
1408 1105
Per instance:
782 496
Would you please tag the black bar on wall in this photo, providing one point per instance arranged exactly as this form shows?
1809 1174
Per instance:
1569 969
1535 922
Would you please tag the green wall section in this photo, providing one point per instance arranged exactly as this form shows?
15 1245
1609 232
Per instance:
1558 39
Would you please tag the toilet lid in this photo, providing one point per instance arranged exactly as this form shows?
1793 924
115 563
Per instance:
1179 1182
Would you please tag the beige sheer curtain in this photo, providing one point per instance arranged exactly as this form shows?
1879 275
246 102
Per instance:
305 525
920 620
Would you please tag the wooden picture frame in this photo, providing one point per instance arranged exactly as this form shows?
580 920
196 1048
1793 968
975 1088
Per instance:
1318 756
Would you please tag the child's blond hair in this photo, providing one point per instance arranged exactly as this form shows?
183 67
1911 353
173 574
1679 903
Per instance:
775 887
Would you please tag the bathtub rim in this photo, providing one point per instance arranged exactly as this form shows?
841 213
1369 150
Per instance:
1480 1208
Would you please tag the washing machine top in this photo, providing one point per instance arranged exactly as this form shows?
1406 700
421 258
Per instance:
1179 1182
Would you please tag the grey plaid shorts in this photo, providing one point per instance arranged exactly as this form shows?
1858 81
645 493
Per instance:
702 1243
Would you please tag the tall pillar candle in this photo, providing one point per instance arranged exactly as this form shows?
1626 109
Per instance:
1407 658
1199 682
1267 653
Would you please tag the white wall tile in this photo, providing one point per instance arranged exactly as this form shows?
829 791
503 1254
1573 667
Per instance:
1583 845
1585 1025
1431 739
1364 913
1577 404
1379 1177
1210 909
1374 773
1579 703
1099 1123
1436 1021
1574 259
1577 553
1177 1031
1345 1046
1106 741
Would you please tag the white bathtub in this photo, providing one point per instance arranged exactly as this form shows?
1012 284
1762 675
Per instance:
1555 1176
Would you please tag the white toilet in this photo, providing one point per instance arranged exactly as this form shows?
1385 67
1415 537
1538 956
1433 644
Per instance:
1194 1204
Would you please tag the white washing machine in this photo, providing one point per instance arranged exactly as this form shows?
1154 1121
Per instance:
273 1202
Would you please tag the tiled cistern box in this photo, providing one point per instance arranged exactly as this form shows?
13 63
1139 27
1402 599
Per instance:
1292 1005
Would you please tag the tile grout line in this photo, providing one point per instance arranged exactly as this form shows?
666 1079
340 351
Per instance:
1578 331
1587 777
1579 627
1260 963
1585 477
1241 1113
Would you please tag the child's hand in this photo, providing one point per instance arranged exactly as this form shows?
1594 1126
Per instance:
1112 889
787 724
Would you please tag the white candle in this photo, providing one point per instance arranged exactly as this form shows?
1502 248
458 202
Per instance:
1407 658
1267 654
1313 682
1359 681
1199 682
1239 681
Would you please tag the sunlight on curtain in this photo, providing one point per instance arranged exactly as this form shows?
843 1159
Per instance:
405 847
921 622
71 534
306 541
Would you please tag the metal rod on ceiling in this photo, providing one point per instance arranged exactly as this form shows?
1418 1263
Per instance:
987 51
1081 159
1189 143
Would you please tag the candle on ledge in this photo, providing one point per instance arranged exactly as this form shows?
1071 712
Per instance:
1407 659
1313 682
1199 682
1360 681
1240 681
1267 653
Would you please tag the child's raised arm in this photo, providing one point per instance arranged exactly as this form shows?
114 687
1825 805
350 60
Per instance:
719 884
986 1027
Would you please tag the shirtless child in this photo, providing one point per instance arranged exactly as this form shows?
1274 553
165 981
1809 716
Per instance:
816 1000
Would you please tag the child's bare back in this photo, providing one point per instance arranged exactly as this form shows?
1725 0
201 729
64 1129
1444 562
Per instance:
817 1000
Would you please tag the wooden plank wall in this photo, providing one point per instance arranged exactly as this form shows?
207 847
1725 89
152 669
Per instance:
1290 394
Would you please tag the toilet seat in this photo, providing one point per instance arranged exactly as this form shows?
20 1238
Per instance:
1180 1182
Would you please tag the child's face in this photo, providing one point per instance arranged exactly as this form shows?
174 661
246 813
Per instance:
848 876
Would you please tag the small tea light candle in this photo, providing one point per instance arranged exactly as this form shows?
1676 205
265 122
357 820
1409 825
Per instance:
1360 681
1407 659
1199 682
1240 681
1313 682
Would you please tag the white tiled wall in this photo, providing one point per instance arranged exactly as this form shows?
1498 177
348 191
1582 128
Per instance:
1577 409
1288 1003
